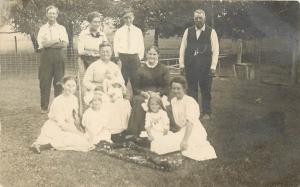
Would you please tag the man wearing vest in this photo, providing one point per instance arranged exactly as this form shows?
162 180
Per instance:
198 58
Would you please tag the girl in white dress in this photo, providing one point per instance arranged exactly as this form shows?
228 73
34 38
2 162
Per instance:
60 131
95 121
157 123
191 139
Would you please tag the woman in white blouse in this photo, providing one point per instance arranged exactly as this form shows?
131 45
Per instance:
191 138
90 39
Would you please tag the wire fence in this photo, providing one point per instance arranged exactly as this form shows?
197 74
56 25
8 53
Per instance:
25 65
18 59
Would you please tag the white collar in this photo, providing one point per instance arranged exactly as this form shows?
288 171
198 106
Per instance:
131 26
202 28
151 66
54 25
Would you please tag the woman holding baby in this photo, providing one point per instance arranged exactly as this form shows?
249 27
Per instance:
104 76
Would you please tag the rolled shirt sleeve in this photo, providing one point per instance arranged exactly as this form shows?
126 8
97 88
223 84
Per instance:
214 49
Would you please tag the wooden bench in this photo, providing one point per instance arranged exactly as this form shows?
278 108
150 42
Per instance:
249 70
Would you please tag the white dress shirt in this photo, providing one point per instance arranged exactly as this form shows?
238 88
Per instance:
49 32
136 43
89 45
214 47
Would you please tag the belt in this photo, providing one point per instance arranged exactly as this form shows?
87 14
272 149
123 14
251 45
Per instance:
128 54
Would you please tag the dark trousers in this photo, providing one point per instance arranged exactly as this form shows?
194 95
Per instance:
198 74
51 70
130 65
136 122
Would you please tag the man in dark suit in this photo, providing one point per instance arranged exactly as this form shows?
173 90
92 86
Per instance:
199 53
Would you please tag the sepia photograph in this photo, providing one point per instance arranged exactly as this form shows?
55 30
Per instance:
149 93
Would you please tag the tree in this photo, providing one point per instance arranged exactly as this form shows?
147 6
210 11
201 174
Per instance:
29 16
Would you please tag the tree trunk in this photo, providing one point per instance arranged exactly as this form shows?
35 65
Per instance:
34 42
239 51
70 36
294 66
296 51
156 36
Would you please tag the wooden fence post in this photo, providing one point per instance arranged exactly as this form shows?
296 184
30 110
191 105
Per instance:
239 51
16 44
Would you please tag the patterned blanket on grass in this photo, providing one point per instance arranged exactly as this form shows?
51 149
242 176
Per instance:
131 152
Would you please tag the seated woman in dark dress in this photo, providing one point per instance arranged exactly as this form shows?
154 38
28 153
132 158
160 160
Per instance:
152 78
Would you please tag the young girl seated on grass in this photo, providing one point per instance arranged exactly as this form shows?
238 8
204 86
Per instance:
95 121
62 130
157 123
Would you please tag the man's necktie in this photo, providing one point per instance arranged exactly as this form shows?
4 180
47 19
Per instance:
128 38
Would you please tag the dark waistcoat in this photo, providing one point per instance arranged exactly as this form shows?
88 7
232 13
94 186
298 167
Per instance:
198 51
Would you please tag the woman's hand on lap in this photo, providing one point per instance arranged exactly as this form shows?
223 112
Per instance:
183 145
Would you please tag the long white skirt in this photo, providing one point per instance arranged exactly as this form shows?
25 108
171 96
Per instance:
52 134
198 146
119 115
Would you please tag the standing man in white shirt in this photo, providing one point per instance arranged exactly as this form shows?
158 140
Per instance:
199 53
129 47
52 38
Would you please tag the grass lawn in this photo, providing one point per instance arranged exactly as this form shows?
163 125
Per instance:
255 131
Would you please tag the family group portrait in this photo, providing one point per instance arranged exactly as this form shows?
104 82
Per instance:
149 93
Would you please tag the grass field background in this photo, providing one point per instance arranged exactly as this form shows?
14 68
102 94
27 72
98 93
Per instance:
255 131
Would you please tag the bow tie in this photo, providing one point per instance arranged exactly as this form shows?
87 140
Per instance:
95 34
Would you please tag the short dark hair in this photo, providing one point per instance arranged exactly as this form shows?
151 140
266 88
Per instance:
52 7
127 10
105 44
153 47
180 80
67 78
91 16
